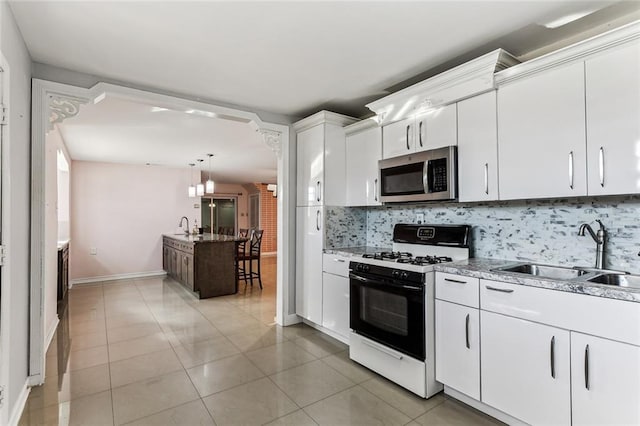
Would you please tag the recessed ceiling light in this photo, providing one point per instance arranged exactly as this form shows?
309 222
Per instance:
158 109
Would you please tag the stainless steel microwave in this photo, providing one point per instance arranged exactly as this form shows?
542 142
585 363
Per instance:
421 176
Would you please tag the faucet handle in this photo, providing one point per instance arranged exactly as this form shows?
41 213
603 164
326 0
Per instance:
601 224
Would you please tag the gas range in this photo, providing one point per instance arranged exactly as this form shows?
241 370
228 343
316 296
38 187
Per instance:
404 260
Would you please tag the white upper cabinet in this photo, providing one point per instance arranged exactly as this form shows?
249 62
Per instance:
311 166
541 133
364 150
613 121
436 128
398 138
605 381
321 169
478 148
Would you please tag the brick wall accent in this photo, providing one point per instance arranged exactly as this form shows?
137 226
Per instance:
268 219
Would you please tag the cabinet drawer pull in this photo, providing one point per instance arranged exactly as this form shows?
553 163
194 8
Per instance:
466 331
552 354
586 367
383 350
407 135
420 133
501 290
601 166
571 169
486 178
339 260
318 220
451 280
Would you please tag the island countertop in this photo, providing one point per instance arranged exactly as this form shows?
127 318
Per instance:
204 238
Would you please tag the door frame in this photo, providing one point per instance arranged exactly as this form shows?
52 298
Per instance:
53 102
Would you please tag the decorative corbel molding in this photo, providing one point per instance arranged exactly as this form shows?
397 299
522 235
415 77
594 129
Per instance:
63 107
273 139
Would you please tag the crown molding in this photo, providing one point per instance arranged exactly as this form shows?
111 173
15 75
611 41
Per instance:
361 126
323 117
463 81
573 53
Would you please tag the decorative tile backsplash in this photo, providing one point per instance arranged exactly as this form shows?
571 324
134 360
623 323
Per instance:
539 230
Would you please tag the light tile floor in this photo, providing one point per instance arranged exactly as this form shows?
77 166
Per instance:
146 352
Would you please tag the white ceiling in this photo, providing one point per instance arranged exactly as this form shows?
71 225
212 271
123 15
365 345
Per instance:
285 57
119 131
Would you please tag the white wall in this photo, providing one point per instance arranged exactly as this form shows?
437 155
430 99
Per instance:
122 211
16 213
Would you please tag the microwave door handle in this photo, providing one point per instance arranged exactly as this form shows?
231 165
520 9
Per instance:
426 167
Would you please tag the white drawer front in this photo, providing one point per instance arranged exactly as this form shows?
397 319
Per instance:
612 319
457 289
336 264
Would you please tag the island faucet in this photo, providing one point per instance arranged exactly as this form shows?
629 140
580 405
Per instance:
599 237
180 224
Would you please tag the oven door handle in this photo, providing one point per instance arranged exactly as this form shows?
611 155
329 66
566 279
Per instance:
376 283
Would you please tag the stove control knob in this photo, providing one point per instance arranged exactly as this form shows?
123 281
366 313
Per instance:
359 267
365 268
395 274
404 275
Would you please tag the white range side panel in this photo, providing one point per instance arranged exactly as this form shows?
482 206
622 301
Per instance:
309 236
478 148
516 369
613 121
398 138
457 365
613 397
541 135
310 168
335 304
333 186
364 150
440 128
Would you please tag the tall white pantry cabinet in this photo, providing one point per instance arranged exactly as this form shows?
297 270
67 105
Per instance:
320 182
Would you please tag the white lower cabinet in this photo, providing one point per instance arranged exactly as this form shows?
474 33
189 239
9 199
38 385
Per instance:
605 381
525 369
458 347
335 304
309 238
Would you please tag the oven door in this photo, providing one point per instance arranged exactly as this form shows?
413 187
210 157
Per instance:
388 311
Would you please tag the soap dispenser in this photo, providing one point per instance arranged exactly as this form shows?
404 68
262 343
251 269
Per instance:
195 227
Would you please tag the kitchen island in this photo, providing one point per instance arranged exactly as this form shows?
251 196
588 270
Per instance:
203 264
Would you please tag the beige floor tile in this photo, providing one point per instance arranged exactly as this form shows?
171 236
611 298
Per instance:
141 399
281 356
351 369
311 382
86 327
90 340
138 317
190 414
297 330
237 324
223 374
144 345
94 410
70 386
355 406
206 351
90 357
132 331
254 403
402 399
87 315
297 418
256 339
453 413
191 334
144 367
320 344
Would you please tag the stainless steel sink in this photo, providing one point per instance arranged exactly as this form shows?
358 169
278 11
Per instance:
620 280
544 271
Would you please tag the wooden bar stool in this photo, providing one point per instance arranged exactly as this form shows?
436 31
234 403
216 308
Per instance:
253 253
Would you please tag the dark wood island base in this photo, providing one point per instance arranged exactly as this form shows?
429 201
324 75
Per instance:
204 264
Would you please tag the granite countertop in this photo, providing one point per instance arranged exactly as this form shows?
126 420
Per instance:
481 268
204 238
355 251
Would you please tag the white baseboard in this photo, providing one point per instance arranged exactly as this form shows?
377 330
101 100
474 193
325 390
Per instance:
291 319
18 408
328 332
115 277
503 417
50 333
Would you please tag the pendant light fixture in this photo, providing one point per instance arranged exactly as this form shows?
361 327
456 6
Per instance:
192 188
199 185
210 186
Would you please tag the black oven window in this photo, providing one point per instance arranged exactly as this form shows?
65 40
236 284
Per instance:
403 180
385 311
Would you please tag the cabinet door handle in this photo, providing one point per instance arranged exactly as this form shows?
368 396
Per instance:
552 354
318 220
571 169
501 290
318 191
586 367
375 189
338 260
466 331
451 280
420 133
601 166
407 135
486 178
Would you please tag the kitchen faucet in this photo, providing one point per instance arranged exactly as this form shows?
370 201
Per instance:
180 224
599 237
